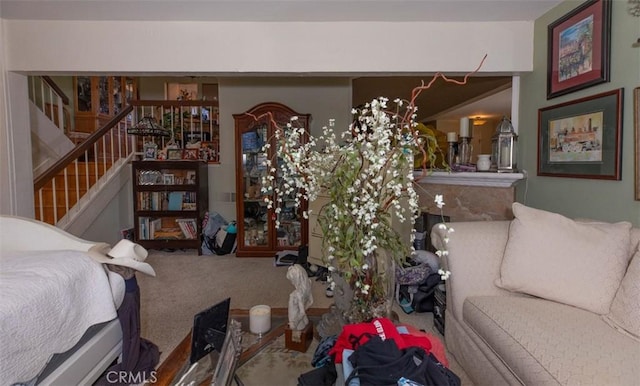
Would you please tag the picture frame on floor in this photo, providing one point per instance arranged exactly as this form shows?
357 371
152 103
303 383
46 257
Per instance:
582 138
579 48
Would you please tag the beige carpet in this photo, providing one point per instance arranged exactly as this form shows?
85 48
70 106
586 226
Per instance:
187 283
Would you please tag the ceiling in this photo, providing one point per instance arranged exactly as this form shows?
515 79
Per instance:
278 10
482 96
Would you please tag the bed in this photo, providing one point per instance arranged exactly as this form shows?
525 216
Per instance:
58 307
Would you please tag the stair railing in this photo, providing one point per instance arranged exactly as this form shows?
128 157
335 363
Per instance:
59 188
51 100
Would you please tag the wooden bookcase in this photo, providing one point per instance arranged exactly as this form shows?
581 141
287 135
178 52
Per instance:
257 234
170 199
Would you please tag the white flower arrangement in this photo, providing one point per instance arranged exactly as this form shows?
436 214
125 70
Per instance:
367 174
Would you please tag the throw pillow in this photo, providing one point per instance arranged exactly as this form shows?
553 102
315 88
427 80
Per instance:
553 257
625 309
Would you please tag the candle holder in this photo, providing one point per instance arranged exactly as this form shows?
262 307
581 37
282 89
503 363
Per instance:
260 319
464 150
451 153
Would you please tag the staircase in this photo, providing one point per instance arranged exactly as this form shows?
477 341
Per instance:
67 188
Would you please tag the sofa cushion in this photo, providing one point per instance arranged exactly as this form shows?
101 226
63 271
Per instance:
625 308
544 342
554 257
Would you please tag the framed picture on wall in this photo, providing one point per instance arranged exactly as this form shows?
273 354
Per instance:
579 48
582 138
636 126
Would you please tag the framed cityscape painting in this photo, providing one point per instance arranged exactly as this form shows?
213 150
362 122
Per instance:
579 48
582 138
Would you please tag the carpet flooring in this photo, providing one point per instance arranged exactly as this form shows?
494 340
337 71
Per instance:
187 283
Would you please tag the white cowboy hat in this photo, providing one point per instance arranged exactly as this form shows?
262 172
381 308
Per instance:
125 253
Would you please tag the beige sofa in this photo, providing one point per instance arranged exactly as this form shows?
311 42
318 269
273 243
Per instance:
543 300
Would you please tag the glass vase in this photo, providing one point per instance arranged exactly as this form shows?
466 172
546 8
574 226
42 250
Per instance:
355 303
372 293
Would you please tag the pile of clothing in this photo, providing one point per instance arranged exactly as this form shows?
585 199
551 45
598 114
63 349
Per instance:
380 353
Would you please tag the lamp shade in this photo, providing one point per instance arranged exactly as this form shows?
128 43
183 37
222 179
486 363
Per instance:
147 126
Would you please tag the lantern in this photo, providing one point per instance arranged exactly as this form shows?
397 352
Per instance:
504 147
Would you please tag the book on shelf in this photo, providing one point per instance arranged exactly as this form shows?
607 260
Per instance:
188 227
175 201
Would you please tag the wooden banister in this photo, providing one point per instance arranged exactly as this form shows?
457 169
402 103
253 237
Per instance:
56 88
63 162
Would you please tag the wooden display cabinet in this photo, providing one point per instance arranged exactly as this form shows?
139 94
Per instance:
170 200
97 99
257 234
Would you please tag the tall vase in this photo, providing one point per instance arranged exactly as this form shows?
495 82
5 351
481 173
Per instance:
377 300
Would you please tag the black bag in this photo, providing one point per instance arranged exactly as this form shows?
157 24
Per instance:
221 248
421 297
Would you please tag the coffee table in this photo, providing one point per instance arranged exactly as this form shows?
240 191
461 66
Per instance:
177 362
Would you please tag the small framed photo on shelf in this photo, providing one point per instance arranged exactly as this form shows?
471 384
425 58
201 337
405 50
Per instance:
168 179
582 138
188 206
174 154
579 48
150 151
191 177
209 151
190 154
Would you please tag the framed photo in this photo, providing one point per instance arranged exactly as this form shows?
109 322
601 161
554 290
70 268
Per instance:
209 151
579 48
191 177
191 154
150 151
582 138
168 179
174 154
636 125
195 136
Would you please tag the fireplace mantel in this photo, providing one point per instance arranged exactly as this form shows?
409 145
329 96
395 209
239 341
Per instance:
486 179
469 196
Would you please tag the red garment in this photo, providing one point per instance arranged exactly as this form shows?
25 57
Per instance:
354 335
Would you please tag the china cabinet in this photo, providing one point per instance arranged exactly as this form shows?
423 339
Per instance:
170 201
97 99
257 233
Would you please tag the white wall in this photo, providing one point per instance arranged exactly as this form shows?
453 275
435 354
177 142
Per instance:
68 46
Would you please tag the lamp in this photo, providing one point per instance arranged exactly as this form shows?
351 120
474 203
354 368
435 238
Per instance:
478 121
503 144
147 126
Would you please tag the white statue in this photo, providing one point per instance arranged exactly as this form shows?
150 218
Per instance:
300 299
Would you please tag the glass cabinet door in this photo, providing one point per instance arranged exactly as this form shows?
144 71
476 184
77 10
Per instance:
256 224
103 95
83 94
118 98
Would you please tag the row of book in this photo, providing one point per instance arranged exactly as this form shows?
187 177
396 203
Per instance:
188 227
166 200
152 228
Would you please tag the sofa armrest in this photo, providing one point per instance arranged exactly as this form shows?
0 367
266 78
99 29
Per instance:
475 251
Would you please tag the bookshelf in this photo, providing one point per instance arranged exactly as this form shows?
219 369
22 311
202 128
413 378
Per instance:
170 199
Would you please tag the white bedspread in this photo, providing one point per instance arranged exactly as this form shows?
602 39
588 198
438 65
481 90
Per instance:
47 301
